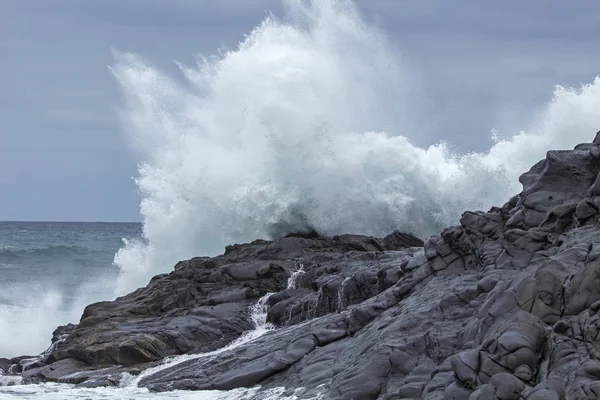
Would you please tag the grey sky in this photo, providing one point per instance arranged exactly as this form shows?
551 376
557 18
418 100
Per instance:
482 65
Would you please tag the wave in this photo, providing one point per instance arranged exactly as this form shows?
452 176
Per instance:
308 123
30 310
51 252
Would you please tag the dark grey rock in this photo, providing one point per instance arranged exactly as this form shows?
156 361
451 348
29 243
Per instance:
56 372
4 365
107 377
201 306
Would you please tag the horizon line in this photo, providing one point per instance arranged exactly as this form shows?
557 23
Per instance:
73 222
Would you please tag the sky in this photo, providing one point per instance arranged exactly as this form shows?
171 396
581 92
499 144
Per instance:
64 156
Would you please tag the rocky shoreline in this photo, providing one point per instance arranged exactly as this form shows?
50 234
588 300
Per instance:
504 306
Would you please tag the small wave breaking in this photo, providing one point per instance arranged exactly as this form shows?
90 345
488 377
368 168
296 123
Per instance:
50 252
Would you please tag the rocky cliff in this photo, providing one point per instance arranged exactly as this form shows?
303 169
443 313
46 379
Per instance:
504 306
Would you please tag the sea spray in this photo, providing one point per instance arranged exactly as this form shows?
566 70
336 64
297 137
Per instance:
303 125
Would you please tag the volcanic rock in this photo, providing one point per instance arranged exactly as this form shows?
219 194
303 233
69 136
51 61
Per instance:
503 306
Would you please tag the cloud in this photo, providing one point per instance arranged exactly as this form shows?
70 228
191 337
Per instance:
509 20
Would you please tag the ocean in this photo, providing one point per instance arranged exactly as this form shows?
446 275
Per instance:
49 271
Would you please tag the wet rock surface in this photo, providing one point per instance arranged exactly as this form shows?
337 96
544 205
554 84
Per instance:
4 365
504 306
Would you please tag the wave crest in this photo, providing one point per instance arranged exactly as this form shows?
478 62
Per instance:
50 252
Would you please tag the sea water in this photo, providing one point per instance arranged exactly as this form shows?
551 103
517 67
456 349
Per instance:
49 271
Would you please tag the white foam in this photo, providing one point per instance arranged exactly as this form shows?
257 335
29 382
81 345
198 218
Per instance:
52 391
26 327
31 311
10 380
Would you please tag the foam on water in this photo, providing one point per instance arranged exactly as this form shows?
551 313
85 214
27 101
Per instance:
304 125
52 391
30 312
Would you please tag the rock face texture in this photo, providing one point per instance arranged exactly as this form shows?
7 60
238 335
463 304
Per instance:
504 306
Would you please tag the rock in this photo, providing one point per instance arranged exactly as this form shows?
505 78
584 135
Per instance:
597 138
56 371
201 306
107 377
503 306
4 365
487 284
507 386
456 392
594 308
585 209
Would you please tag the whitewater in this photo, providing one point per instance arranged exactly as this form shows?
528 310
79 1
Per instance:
308 124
